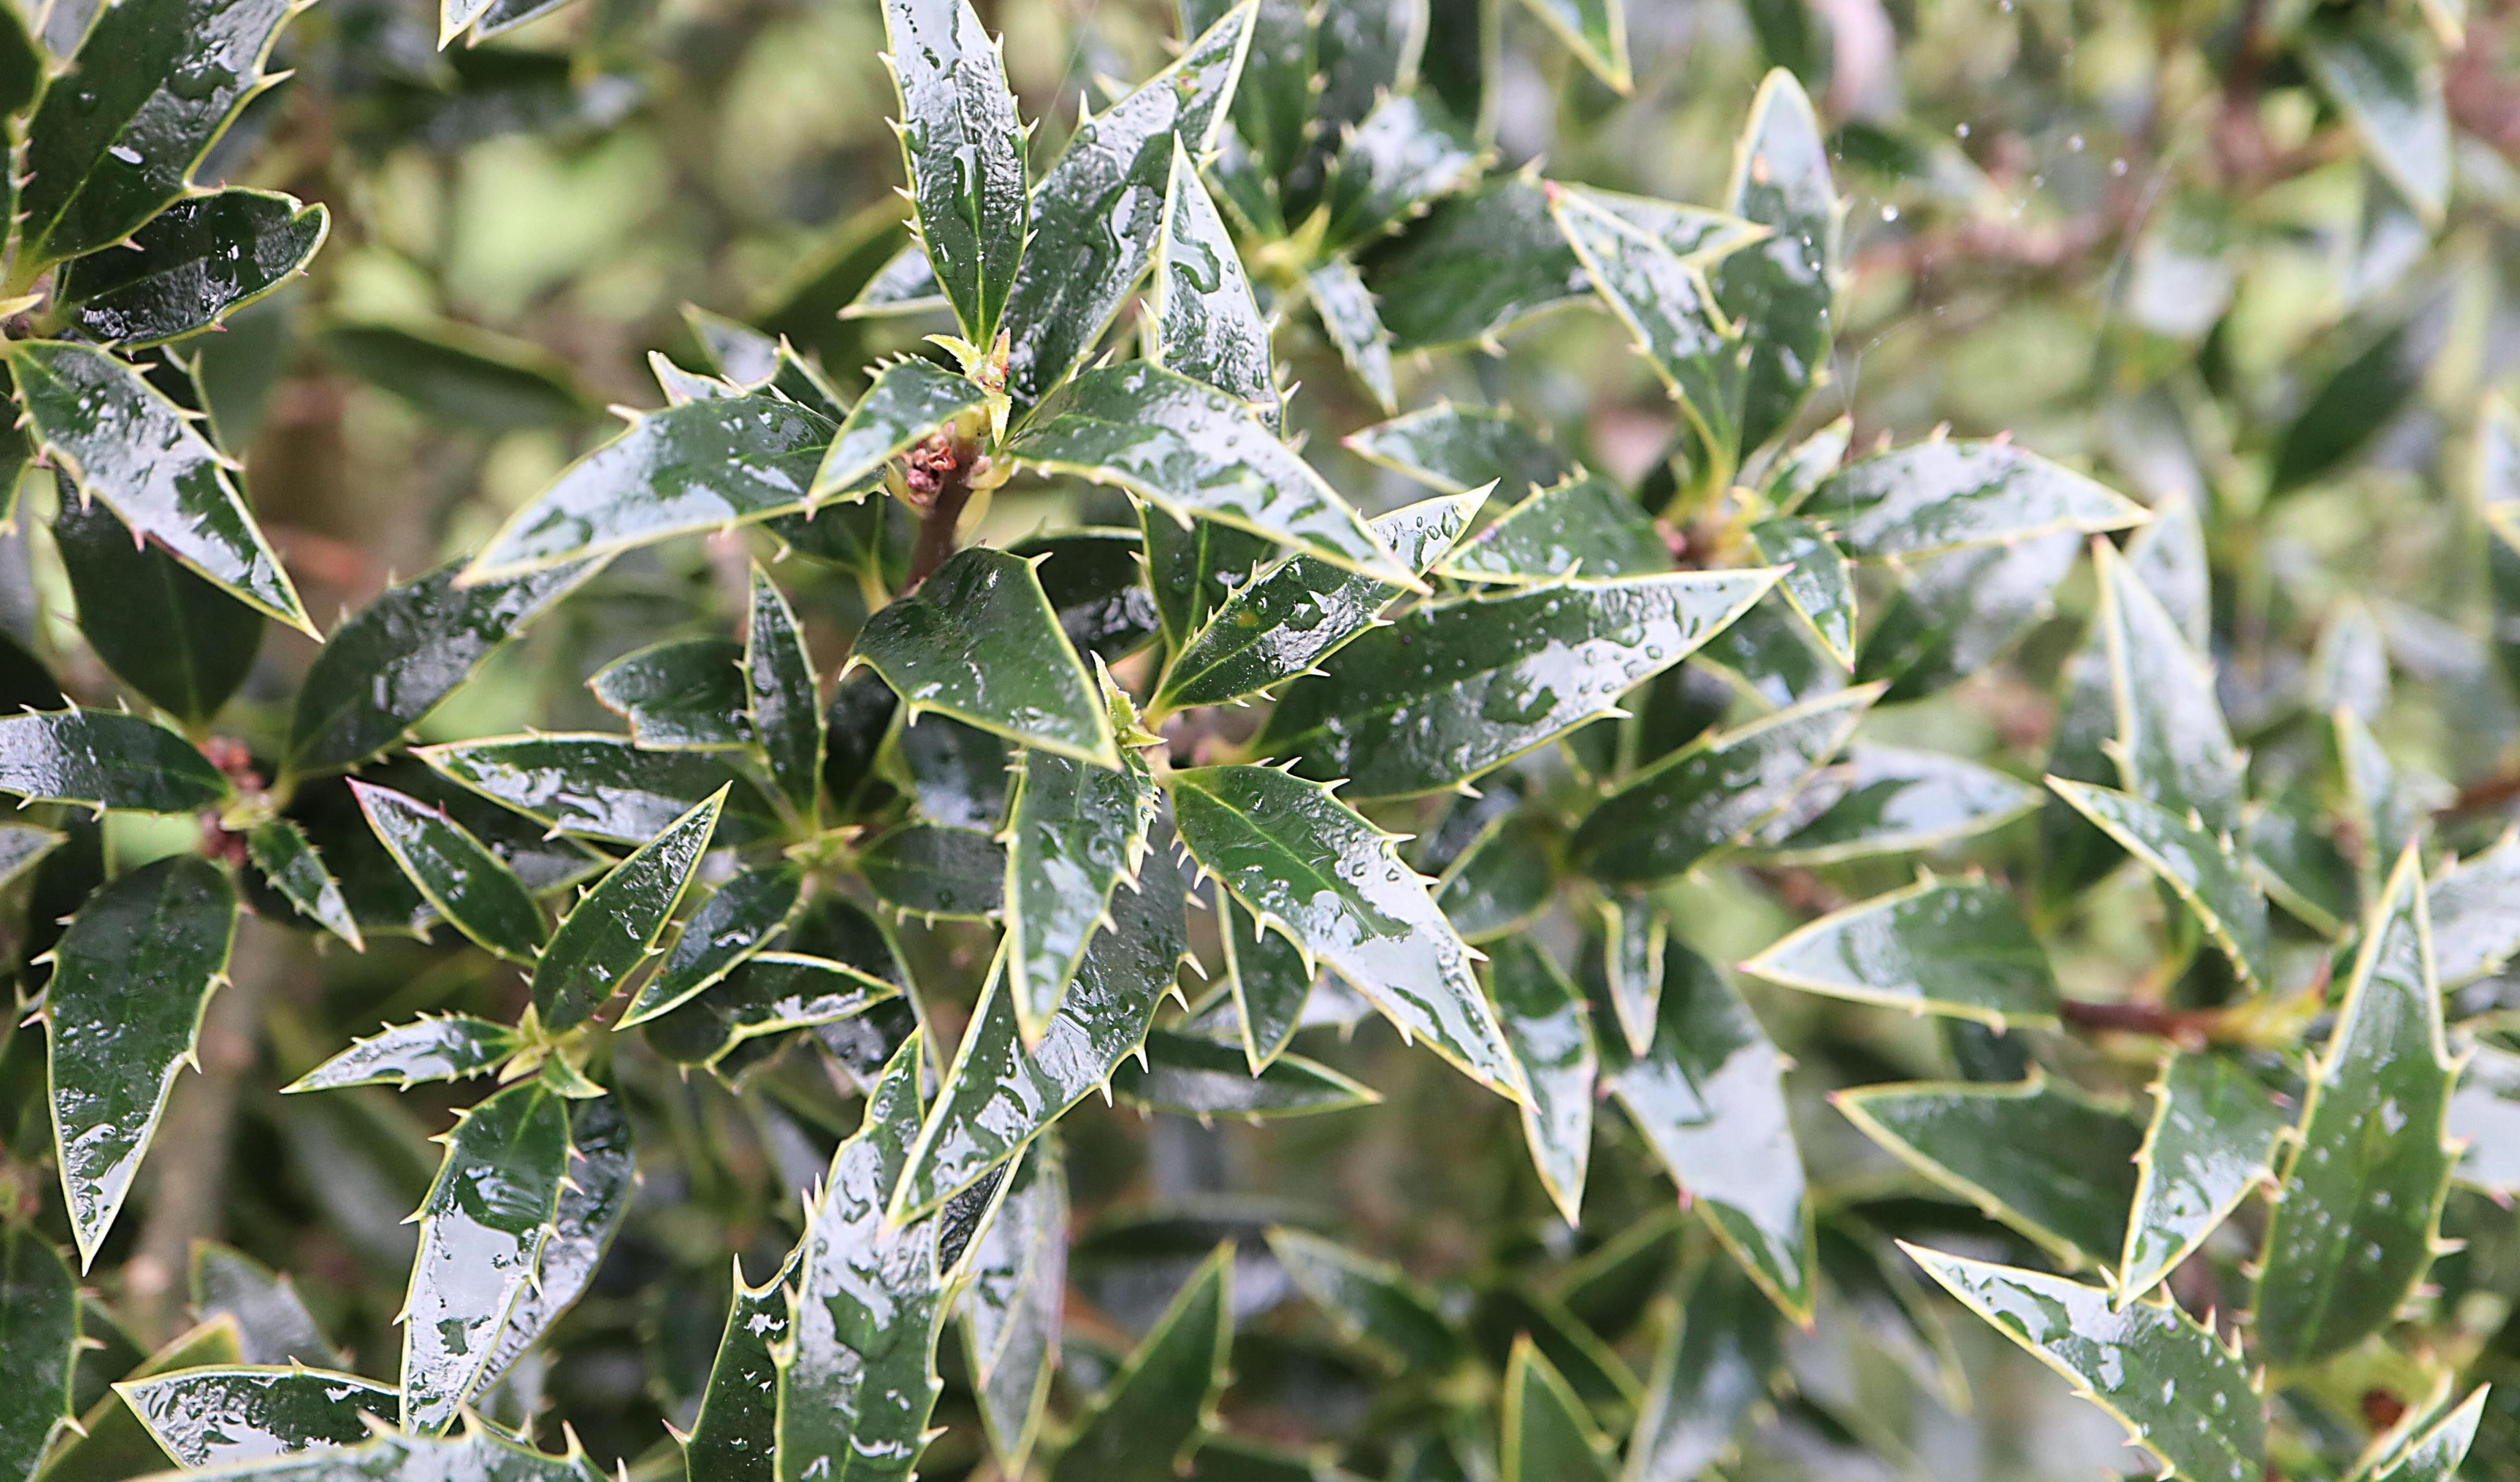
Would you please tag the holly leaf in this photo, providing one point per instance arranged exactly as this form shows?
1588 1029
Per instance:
1078 833
1549 1435
1960 948
2214 1135
1583 526
600 1178
2379 76
2475 928
177 639
207 1417
1500 885
430 1048
482 1452
979 641
1629 966
1941 496
1405 153
1455 449
1207 325
288 859
1269 980
105 760
602 787
1097 581
273 1324
734 1436
192 267
1192 566
1960 611
1188 1075
738 919
681 694
462 375
1146 1424
1550 1031
964 149
39 1317
2201 867
121 441
910 401
1371 1303
1717 1360
1353 325
1782 289
2172 746
1817 583
1892 800
1669 308
1013 1312
2435 1454
785 710
456 873
928 869
1307 866
772 993
612 930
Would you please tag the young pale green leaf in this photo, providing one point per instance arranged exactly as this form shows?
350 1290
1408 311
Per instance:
1709 1096
2179 1392
288 859
382 672
612 929
1950 947
1549 1435
2035 1155
1354 327
1670 311
1078 833
2379 75
1718 1358
1892 800
1783 291
1818 580
468 884
687 470
930 870
736 920
1451 690
209 1418
1013 1312
1716 792
1373 1304
1192 567
178 640
603 788
595 1195
1194 451
273 1324
996 1097
2214 1135
1947 495
121 441
1292 615
1188 1075
1455 449
734 1436
2357 1214
1959 611
1405 153
39 1320
770 994
115 140
965 151
2172 746
681 694
1551 1034
132 980
1269 980
979 641
1207 325
1308 865
910 401
441 1048
1099 210
192 267
1146 1424
105 759
785 710
482 1233
2202 868
1583 526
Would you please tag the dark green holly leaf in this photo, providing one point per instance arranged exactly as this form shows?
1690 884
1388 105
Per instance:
1187 1075
203 260
2173 747
786 713
24 64
1952 947
273 1324
770 994
928 869
1307 865
1717 1360
458 373
1715 792
906 283
2287 848
123 442
1783 291
381 896
1012 1313
2367 390
1960 611
603 788
2036 1155
109 1440
484 1453
2214 1135
1268 978
736 920
1457 449
960 774
683 694
1354 327
2476 929
286 858
1408 150
1583 526
1207 325
116 138
1892 800
687 470
105 759
2202 868
1366 49
997 1097
1773 656
1099 210
594 1195
1628 961
1096 580
1670 311
1500 885
965 151
1372 1304
131 980
612 930
1551 1033
1709 1096
2435 1454
1078 834
1292 615
382 672
2377 73
1146 1424
207 1418
1192 450
2387 806
1596 31
481 1233
178 640
1549 1434
1274 104
1453 689
979 641
2179 1392
441 1048
912 400
39 1317
1946 496
2355 1217
1818 582
1193 567
734 1436
22 846
468 884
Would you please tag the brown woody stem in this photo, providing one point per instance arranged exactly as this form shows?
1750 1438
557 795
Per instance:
2187 1026
937 526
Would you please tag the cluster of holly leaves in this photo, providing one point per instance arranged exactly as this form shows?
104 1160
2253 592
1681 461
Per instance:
1238 711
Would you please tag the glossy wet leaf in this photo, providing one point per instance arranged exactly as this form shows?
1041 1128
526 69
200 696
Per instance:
2179 1392
1273 101
1960 611
2036 1155
105 759
217 1417
115 141
468 884
1951 495
1194 451
1668 309
131 980
932 871
1773 656
1292 615
273 1324
1078 833
964 147
1783 291
1455 449
1624 967
910 401
1143 1428
1716 1363
2381 80
385 669
430 1048
1268 978
684 694
1193 568
1406 152
111 1441
1207 325
2172 746
2435 1456
1354 326
481 1233
979 641
770 994
1892 800
736 920
1306 864
734 1434
2213 1138
1096 580
192 266
1188 1075
121 441
178 640
961 775
1583 526
685 470
2201 867
460 375
39 1318
2354 1217
1498 885
602 787
481 1455
23 846
2387 806
1453 689
1371 1303
1550 1032
595 1195
2288 850
2476 929
1715 792
1952 947
1012 1314
1549 1434
288 861
1819 582
612 930
1709 1097
996 1097
785 710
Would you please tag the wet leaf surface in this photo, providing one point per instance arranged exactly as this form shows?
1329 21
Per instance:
1952 947
459 878
964 147
430 1048
184 272
1551 1033
979 641
1078 834
2214 1137
1946 496
612 930
105 759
